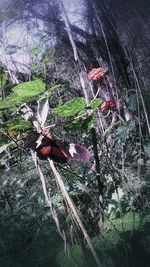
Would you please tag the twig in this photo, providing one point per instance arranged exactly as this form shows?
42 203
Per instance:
47 198
73 210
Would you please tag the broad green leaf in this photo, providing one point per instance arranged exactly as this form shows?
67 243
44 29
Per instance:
23 92
4 104
95 103
77 124
28 90
71 108
19 123
73 125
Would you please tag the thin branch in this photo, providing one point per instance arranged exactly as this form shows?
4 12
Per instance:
67 24
47 197
73 210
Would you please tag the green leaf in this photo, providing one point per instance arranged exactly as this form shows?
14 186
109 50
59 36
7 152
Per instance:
19 123
95 103
88 122
29 90
23 92
71 108
77 124
4 104
132 221
73 125
3 79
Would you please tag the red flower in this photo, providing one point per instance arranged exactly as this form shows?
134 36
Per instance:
96 74
108 105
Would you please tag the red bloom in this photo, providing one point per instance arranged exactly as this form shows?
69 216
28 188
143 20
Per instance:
96 74
108 105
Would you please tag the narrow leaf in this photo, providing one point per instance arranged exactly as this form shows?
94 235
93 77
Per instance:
4 147
42 115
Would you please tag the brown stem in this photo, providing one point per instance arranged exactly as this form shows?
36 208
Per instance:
83 82
48 198
73 210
